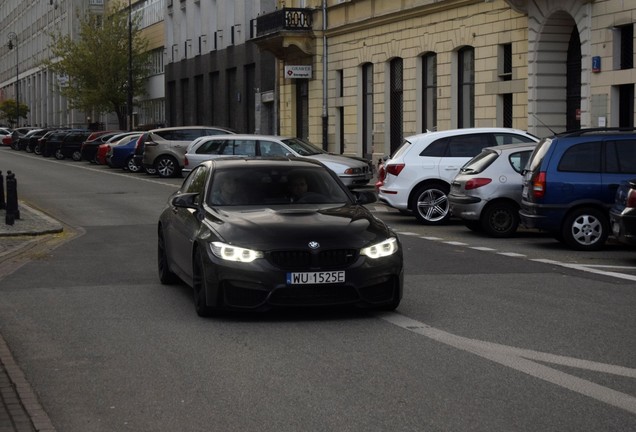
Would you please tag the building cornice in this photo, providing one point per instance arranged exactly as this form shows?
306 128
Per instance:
397 16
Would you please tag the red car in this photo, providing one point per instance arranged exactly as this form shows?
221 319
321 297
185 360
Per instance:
100 156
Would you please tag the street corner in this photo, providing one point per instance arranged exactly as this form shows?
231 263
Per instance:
27 222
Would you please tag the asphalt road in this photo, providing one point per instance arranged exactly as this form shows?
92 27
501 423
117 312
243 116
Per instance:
492 335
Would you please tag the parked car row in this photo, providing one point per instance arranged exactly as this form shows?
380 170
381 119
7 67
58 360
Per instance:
164 151
171 151
564 184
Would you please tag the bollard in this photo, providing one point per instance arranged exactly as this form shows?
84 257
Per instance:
12 212
3 205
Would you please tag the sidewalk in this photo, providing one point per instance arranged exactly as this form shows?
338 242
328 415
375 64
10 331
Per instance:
20 410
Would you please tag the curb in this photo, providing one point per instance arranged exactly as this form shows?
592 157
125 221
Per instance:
27 398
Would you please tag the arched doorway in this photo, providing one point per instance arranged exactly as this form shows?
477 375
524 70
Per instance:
555 78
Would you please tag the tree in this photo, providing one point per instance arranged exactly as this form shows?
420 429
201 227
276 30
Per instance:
9 111
96 63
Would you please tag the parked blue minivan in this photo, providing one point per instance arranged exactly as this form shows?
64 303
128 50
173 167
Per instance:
570 183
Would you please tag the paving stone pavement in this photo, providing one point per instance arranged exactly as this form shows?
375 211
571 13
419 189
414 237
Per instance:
20 410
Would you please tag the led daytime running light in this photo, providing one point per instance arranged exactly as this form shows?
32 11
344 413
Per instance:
382 249
234 253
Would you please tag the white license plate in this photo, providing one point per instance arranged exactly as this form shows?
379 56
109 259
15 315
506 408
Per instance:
312 278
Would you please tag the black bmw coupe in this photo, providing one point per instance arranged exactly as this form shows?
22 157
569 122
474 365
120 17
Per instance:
257 234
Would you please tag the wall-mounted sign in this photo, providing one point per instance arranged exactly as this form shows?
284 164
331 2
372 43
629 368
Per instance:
62 80
298 71
596 64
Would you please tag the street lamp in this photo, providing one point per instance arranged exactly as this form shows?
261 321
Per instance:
14 37
130 74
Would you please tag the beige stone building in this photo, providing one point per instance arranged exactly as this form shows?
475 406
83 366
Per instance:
359 75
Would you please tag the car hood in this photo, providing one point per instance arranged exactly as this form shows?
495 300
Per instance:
294 227
338 163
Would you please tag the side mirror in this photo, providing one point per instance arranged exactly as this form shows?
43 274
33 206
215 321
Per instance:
186 200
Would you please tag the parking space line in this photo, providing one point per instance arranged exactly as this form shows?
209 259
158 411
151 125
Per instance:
587 268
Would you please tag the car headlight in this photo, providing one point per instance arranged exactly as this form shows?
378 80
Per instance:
382 249
234 253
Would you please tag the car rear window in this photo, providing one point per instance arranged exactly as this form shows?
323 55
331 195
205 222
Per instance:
480 162
402 149
539 154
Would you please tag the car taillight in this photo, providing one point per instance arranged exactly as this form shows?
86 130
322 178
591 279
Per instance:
394 169
538 185
138 144
381 173
476 183
185 161
631 198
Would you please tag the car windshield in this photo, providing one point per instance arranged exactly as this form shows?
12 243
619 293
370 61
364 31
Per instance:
265 186
302 147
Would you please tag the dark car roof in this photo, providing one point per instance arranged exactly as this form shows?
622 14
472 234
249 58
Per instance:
234 162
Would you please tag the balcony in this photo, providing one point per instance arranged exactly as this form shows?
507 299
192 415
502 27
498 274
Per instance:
286 32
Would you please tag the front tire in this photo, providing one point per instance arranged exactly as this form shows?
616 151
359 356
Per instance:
59 155
199 286
166 277
430 204
500 219
76 156
167 166
585 229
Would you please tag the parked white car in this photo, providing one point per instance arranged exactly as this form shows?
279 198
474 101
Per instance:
351 170
417 177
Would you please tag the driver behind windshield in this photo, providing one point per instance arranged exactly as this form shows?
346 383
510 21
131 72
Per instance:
297 187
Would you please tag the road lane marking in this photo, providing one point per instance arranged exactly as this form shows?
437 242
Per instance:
586 268
522 360
512 254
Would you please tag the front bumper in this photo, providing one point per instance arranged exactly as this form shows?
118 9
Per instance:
261 286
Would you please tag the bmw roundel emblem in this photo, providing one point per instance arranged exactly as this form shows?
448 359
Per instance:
314 244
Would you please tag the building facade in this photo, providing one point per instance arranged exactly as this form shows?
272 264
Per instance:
149 111
215 74
32 22
381 70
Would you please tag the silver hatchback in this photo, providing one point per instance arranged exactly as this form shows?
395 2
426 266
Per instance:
486 193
